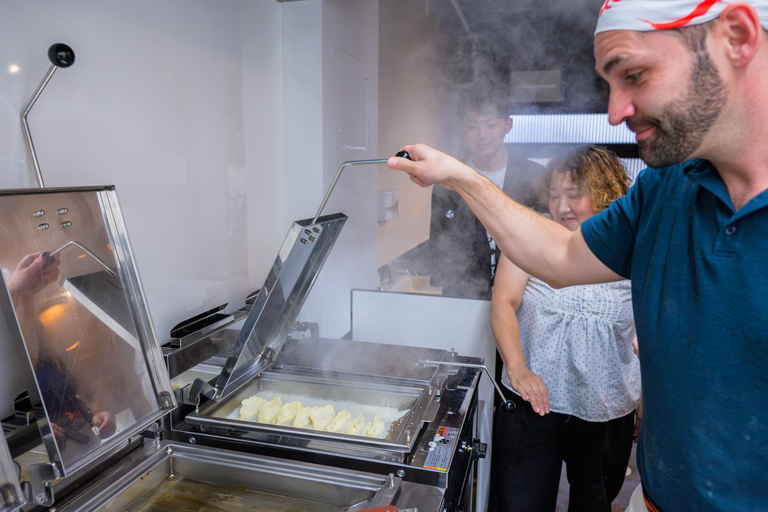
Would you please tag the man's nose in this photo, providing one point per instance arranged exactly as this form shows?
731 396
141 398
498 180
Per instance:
620 107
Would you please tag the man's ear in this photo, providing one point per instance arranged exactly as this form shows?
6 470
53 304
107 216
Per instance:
509 125
739 26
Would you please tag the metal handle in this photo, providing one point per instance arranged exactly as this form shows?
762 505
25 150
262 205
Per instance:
61 56
401 154
49 256
507 406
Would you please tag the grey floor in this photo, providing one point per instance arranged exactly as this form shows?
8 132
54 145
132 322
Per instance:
622 500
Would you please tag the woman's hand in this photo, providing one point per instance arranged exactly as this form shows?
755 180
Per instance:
430 167
530 387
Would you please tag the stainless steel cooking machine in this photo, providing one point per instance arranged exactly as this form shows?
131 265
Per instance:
429 397
125 424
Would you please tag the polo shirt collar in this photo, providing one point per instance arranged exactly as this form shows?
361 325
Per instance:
705 174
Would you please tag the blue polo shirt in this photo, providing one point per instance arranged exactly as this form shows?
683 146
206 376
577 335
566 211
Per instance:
699 272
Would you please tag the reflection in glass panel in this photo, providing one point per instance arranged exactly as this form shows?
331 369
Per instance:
75 319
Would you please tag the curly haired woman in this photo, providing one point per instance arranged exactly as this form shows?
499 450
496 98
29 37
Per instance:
569 363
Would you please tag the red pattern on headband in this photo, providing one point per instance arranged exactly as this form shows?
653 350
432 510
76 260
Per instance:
606 6
700 10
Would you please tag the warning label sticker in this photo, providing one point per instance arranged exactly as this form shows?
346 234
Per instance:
441 448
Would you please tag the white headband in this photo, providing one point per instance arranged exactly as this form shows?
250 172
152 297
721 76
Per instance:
647 15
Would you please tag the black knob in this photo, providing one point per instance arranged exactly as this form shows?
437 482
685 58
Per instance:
48 258
61 55
508 406
404 154
479 450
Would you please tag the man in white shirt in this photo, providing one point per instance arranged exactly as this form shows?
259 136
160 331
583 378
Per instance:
463 255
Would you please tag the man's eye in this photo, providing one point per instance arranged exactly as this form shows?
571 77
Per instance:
553 198
634 77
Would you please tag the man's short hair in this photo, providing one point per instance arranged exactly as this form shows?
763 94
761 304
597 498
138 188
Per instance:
695 36
486 100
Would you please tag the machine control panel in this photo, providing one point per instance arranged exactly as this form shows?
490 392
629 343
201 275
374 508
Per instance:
441 448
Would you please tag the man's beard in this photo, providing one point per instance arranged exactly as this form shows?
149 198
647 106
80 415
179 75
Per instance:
683 124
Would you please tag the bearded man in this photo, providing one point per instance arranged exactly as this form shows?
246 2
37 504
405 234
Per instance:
689 78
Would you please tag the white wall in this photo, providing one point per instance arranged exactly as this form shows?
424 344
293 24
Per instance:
303 107
219 123
179 104
409 113
337 41
264 130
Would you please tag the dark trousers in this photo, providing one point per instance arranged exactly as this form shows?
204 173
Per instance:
529 450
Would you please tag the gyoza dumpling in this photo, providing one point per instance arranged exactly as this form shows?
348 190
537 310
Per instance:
302 418
375 428
322 416
356 426
288 413
339 421
269 411
250 408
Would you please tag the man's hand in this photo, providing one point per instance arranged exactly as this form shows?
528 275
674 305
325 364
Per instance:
58 433
32 275
635 347
530 387
105 422
638 420
430 167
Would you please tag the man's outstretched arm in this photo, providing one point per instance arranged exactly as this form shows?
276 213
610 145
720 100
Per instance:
537 245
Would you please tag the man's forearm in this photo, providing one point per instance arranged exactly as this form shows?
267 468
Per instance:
539 246
532 242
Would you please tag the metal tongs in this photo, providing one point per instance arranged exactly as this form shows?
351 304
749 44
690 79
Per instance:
507 406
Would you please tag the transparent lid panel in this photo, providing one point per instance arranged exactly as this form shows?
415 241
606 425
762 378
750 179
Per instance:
277 306
69 273
11 497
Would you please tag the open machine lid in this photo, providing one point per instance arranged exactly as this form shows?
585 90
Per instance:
11 497
278 304
75 308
